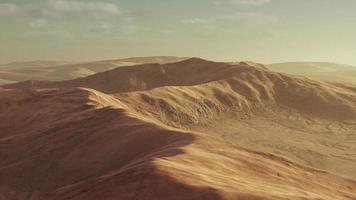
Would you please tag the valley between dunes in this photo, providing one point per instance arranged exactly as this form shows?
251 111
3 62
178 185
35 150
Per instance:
193 129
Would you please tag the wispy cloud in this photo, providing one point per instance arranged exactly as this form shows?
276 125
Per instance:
238 24
8 9
64 7
253 18
237 18
243 2
38 23
197 21
92 16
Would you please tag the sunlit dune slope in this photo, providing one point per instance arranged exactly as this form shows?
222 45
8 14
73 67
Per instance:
195 129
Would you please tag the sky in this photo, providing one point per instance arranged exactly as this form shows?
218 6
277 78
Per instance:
264 31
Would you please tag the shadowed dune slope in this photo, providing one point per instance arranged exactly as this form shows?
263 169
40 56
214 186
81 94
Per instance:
194 129
55 138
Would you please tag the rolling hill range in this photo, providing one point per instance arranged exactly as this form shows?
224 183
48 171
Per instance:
60 70
57 70
318 70
193 129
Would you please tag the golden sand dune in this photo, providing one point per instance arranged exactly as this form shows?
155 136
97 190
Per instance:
194 129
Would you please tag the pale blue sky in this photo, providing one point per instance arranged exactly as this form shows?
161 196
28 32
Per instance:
260 30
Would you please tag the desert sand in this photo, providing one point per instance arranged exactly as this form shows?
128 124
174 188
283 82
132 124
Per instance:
193 129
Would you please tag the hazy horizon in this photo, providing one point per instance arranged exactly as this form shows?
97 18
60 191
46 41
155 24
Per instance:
265 31
187 99
187 57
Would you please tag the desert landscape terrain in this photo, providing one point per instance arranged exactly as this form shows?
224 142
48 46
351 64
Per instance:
177 129
177 100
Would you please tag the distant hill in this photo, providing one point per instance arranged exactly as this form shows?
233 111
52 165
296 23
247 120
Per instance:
319 70
4 81
33 64
61 70
58 70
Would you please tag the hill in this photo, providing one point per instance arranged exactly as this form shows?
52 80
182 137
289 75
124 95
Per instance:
56 70
318 70
194 129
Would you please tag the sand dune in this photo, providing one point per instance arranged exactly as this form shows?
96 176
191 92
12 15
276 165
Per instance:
194 129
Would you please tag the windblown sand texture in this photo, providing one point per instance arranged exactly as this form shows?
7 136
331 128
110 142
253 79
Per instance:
193 129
